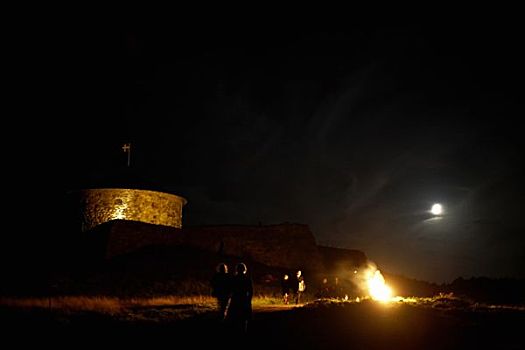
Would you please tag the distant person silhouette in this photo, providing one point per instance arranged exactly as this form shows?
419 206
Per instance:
285 288
221 288
339 291
300 286
324 290
239 312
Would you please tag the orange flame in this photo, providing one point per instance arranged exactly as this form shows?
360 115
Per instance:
377 288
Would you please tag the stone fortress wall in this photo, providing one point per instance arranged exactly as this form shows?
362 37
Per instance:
125 220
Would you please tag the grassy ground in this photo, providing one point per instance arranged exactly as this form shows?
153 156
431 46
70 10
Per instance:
441 322
154 309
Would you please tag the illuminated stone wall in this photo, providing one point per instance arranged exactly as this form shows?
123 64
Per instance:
286 245
102 205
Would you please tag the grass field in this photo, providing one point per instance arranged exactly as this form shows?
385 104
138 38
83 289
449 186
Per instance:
441 322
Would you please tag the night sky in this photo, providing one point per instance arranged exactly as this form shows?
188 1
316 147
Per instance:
354 132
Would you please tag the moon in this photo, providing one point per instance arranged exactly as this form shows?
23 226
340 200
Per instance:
437 209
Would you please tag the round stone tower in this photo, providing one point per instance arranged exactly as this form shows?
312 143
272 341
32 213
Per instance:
101 205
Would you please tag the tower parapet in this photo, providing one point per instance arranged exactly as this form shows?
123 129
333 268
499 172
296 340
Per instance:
106 204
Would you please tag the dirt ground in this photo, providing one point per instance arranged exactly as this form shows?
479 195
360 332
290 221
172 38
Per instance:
365 325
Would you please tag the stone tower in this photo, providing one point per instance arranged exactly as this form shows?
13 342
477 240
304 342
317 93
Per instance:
101 205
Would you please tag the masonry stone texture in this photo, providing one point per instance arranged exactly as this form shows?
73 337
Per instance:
123 221
106 204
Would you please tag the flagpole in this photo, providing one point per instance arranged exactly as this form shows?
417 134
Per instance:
127 148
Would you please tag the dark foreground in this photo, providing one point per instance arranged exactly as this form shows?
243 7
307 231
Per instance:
366 325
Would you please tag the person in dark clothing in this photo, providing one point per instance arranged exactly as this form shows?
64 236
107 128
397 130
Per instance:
285 288
300 286
240 310
221 288
325 289
339 292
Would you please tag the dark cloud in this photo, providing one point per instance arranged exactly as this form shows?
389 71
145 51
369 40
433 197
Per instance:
355 133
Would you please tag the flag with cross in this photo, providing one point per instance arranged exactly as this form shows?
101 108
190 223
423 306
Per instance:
127 149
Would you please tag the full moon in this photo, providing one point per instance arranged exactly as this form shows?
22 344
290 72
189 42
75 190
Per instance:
437 209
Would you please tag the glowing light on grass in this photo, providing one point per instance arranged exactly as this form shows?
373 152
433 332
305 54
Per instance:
377 287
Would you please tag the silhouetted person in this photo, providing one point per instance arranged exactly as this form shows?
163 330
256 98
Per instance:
285 288
221 288
324 290
300 286
240 310
339 292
